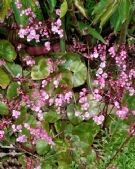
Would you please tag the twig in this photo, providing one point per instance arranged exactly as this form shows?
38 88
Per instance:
58 134
13 154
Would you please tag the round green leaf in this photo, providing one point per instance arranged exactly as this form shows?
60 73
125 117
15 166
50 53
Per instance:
67 78
4 110
12 90
86 131
130 100
71 115
77 67
42 147
41 70
15 68
4 79
51 116
7 51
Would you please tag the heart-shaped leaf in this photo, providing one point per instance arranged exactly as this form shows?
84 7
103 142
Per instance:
41 70
4 79
71 115
77 67
4 110
86 131
7 51
51 116
15 68
12 90
42 147
130 100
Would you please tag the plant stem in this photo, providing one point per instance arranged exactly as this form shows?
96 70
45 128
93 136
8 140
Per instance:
62 40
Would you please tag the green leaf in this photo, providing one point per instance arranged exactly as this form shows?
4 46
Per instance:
63 165
4 79
71 115
87 28
21 20
67 78
110 10
42 147
120 15
12 90
52 4
51 116
63 8
7 51
130 100
41 70
31 120
125 10
81 8
15 68
46 165
95 107
86 131
77 67
103 11
5 6
4 110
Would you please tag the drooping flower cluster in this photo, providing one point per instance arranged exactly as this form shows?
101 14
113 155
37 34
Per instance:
111 86
36 30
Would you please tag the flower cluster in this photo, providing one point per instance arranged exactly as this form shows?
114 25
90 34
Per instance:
111 86
36 30
29 61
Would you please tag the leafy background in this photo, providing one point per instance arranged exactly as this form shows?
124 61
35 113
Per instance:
79 144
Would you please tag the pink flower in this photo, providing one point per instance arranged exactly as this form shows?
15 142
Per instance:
58 22
77 113
85 106
21 139
112 51
22 33
83 99
51 101
133 112
97 97
2 62
18 4
58 12
117 105
19 128
95 55
14 128
86 115
103 64
26 125
2 133
47 45
68 96
15 114
98 119
38 167
44 83
122 113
